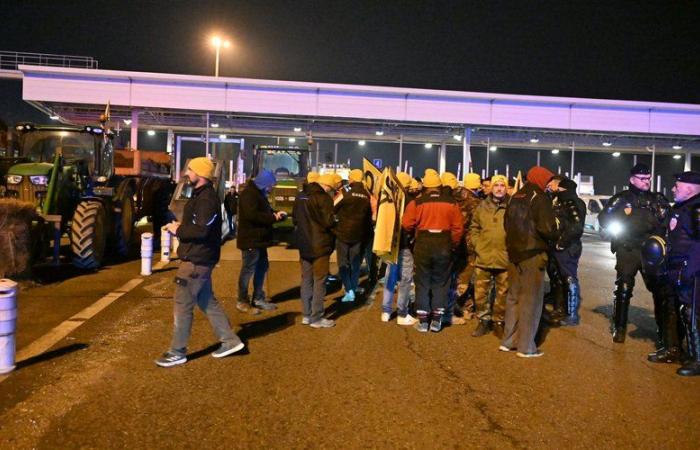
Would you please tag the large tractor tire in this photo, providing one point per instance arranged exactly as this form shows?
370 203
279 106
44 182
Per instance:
124 222
88 234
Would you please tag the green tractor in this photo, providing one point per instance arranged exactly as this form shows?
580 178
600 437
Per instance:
290 166
71 178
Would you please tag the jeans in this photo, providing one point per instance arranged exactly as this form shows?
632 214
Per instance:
524 303
313 286
402 272
349 260
193 286
254 264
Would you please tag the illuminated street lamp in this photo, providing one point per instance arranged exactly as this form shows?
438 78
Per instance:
217 42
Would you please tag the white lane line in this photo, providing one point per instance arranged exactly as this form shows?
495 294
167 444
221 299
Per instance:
51 338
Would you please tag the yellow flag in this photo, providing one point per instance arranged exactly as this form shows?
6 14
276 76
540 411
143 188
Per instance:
387 232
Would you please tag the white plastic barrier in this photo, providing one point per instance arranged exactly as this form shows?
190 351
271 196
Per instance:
146 253
165 243
8 324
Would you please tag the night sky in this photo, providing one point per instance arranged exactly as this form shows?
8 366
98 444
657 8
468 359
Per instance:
601 49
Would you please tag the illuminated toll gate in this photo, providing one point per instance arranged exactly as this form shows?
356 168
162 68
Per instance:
210 106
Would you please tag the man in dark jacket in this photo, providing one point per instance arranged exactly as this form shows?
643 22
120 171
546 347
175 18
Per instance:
314 221
199 251
255 220
631 216
570 211
530 227
231 207
354 214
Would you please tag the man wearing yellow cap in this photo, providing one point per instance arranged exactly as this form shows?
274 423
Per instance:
354 214
199 251
436 222
488 236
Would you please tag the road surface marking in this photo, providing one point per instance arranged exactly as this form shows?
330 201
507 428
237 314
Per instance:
51 338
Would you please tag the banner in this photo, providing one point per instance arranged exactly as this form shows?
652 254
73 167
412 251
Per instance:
518 183
387 232
373 177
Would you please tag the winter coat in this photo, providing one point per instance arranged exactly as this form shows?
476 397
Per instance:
529 223
434 210
570 211
488 234
255 218
314 221
354 214
231 203
467 201
200 230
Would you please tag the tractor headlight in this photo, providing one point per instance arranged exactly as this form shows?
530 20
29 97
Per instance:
14 179
39 180
615 228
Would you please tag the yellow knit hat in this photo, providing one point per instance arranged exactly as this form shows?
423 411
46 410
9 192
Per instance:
328 179
431 179
472 181
356 175
449 179
404 179
203 167
499 179
312 177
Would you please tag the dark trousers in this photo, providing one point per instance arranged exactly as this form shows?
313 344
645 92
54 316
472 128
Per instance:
254 263
313 286
524 303
193 287
629 262
349 260
433 260
567 260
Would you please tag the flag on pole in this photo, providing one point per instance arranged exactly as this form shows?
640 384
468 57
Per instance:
387 232
518 182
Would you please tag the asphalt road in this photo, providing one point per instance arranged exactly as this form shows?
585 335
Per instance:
363 383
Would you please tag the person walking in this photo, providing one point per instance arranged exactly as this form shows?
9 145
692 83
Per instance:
231 207
488 236
199 251
530 227
255 221
436 222
354 214
314 221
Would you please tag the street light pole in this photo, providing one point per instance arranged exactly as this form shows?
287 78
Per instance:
218 43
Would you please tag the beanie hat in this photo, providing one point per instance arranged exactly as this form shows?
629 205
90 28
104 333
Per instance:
499 179
449 179
540 176
472 181
568 184
356 175
265 180
312 177
431 179
203 167
404 179
327 179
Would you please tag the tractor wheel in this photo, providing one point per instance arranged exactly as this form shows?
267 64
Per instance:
124 223
88 234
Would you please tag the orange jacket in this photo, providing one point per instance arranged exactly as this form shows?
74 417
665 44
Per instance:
434 210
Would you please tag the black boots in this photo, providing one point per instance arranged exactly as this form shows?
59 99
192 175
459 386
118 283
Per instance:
573 303
482 329
692 366
557 294
621 305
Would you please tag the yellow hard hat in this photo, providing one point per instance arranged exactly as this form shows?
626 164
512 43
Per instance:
337 179
472 181
312 177
328 179
404 179
431 179
449 179
415 185
356 175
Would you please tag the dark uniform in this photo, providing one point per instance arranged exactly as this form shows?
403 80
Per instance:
570 210
437 224
684 268
640 214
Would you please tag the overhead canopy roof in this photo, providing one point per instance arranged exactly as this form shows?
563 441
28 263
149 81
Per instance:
269 107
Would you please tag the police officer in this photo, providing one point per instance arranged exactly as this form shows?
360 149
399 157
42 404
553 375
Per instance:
684 262
570 210
631 216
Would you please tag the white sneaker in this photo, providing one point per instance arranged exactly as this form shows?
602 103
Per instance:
407 320
385 317
503 348
306 320
537 354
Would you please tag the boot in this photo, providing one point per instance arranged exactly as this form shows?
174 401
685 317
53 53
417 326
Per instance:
667 321
692 367
662 355
482 329
621 305
436 320
572 304
498 328
558 296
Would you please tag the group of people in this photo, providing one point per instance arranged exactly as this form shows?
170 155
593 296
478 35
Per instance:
480 250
